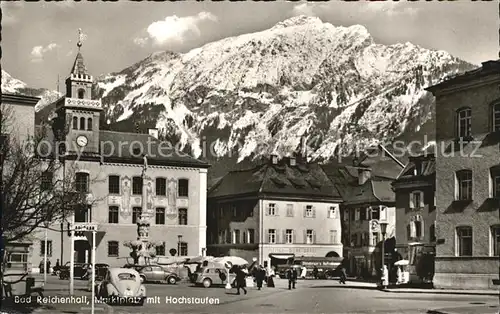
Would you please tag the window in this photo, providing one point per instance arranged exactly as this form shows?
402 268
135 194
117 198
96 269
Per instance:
363 214
272 235
114 184
309 211
309 236
375 238
89 124
464 122
49 248
183 188
418 228
495 240
251 235
82 213
357 214
416 199
75 123
354 240
136 214
161 186
160 216
235 212
160 249
288 236
271 209
82 123
137 185
332 212
352 212
183 216
113 214
289 210
237 236
113 248
464 241
495 180
333 236
496 117
464 182
47 180
81 93
432 233
183 249
82 182
228 236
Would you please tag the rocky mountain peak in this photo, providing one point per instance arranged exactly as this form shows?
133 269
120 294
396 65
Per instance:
299 20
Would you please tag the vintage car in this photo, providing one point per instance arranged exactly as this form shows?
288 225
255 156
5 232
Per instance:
212 275
100 272
121 286
80 270
156 273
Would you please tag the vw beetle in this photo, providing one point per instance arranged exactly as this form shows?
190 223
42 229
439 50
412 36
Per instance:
121 286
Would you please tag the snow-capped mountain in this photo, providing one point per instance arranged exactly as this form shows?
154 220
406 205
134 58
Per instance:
12 85
301 81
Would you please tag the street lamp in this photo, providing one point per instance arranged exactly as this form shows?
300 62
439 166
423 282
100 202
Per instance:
179 240
383 230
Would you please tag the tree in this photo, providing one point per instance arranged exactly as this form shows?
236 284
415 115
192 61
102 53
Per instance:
37 184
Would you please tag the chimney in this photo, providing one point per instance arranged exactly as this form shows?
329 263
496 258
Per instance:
364 174
274 159
153 132
293 161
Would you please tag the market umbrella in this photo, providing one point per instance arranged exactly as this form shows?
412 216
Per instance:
199 259
234 260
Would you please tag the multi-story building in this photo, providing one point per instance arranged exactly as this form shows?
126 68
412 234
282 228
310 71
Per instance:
468 178
278 209
416 212
368 200
110 167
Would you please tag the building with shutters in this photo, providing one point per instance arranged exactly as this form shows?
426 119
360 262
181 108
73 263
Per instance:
108 165
278 209
468 178
416 213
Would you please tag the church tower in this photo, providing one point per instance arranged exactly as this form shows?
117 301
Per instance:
80 112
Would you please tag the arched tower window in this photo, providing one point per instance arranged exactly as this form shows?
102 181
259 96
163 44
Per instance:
75 123
89 124
81 93
82 123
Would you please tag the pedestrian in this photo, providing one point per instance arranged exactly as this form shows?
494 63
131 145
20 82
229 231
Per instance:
48 266
260 275
270 280
315 272
343 275
240 280
304 272
58 265
292 277
41 267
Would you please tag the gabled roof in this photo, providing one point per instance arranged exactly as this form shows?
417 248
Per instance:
488 68
119 147
79 65
374 190
418 168
307 180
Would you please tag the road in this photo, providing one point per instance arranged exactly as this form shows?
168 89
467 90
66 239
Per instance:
321 296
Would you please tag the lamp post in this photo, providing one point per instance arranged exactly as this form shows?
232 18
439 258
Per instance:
179 239
383 230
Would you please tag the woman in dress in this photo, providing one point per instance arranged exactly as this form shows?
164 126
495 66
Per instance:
270 280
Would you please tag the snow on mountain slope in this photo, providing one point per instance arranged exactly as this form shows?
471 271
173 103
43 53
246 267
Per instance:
301 81
12 85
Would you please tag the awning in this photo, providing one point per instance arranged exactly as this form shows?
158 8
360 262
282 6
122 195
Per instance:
282 256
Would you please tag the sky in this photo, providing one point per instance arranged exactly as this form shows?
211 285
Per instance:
39 39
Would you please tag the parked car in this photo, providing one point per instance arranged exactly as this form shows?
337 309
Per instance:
121 286
80 270
210 276
100 272
156 273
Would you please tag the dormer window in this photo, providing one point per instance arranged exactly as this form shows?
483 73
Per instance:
464 122
81 93
82 123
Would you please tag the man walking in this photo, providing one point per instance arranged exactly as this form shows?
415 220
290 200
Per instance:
343 275
260 275
292 277
240 280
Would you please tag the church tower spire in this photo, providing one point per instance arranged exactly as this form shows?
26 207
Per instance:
79 82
